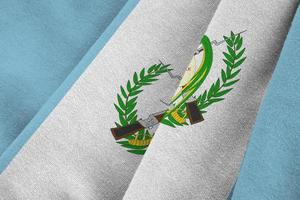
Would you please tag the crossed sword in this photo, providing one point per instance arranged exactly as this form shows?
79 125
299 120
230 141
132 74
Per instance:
193 112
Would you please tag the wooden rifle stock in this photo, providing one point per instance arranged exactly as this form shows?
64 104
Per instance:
193 113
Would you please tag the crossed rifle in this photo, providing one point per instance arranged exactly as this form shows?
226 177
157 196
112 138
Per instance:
193 114
192 110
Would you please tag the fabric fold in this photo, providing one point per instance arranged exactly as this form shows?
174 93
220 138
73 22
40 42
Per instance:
201 161
270 168
73 154
41 43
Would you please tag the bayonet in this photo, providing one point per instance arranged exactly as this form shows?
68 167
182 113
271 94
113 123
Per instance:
216 43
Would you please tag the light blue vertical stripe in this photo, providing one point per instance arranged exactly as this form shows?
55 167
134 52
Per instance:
40 44
271 168
42 114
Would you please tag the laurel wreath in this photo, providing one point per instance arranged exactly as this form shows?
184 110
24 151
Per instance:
233 58
127 101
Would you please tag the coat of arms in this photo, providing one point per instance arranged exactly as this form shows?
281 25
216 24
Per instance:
185 107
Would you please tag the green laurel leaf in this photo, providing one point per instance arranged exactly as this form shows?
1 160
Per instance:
167 122
123 92
223 75
228 41
239 44
142 73
228 57
221 93
230 83
234 74
135 78
239 55
233 58
238 63
119 109
231 52
127 101
228 63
